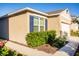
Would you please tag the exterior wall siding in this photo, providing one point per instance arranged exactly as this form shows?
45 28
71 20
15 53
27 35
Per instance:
74 26
54 24
65 18
18 28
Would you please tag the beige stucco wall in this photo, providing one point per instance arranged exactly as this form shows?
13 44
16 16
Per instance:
65 17
19 26
54 24
74 26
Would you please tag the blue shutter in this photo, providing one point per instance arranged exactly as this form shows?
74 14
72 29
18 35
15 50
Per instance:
46 24
31 23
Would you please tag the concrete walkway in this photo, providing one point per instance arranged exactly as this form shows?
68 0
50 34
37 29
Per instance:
70 48
25 50
67 50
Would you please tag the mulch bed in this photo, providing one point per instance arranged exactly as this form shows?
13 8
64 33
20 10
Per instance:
47 48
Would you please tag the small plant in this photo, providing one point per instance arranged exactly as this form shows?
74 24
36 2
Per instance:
60 42
4 51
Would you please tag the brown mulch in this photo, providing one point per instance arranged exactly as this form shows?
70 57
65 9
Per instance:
47 48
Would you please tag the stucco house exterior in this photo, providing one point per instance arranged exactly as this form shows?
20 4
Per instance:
14 26
60 21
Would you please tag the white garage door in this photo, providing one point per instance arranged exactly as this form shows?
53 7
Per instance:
65 28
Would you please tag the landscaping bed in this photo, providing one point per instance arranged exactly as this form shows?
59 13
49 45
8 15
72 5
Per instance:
47 48
46 41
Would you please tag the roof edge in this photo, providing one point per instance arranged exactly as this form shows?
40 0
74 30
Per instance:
30 9
27 8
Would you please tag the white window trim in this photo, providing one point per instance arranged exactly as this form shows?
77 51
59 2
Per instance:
39 25
44 24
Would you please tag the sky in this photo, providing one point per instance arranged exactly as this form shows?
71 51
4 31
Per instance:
44 7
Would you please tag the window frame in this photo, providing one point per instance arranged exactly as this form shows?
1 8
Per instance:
39 23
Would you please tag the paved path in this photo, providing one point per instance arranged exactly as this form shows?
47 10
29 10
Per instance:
25 50
67 50
70 48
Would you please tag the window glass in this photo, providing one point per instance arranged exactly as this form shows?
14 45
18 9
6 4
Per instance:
41 28
41 21
38 24
35 29
36 21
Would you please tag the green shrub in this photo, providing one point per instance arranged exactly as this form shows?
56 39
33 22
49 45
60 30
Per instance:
4 51
59 42
35 39
51 37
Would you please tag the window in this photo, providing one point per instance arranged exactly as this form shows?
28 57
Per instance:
38 24
42 24
35 29
36 21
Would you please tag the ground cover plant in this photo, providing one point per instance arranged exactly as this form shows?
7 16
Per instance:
4 51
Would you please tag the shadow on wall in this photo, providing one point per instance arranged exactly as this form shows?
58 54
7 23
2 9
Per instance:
4 27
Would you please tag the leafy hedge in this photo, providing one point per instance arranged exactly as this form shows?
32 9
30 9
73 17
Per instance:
35 39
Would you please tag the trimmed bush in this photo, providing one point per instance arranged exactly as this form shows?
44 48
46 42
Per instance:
59 42
51 37
35 39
